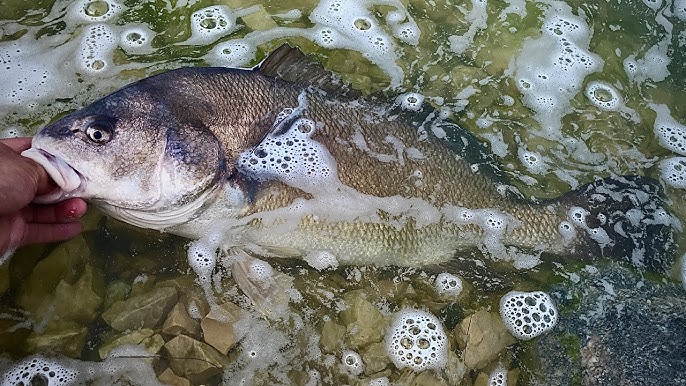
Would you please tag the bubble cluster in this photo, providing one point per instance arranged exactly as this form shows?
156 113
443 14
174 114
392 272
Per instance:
94 11
670 133
260 272
567 231
416 340
410 101
603 95
321 260
352 362
477 18
97 45
673 172
652 66
533 162
39 370
381 381
498 377
202 258
528 314
448 284
550 70
211 23
136 39
232 53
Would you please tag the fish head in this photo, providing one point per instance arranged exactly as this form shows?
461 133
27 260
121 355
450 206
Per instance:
133 157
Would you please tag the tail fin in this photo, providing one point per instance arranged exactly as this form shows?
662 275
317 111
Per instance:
625 218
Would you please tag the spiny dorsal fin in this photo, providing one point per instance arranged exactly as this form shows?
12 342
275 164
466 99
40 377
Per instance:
291 64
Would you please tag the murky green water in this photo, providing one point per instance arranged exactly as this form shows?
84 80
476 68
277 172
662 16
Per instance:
492 66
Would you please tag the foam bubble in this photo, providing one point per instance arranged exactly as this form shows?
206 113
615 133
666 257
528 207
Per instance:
381 381
528 314
202 258
97 46
260 272
136 39
673 172
11 132
477 18
652 66
448 284
39 370
211 23
670 133
498 376
533 162
416 340
321 260
232 53
94 11
567 231
410 101
603 95
352 362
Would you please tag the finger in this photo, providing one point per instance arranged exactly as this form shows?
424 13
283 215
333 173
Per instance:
49 233
17 144
63 212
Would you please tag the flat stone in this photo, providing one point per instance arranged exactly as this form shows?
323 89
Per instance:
60 337
178 322
169 378
332 337
375 358
147 310
205 364
217 326
134 337
78 301
364 322
115 292
482 335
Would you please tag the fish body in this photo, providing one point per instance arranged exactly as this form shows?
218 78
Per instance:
291 168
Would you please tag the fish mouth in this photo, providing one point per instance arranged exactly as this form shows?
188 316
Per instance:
69 181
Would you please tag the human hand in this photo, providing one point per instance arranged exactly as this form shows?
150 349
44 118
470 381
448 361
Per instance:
21 222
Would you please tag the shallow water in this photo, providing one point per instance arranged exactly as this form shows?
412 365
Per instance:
562 92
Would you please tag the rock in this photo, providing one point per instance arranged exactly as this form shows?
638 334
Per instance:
115 292
617 327
60 337
134 337
375 358
482 336
194 360
178 322
217 326
455 369
364 322
77 302
332 337
424 378
169 378
147 310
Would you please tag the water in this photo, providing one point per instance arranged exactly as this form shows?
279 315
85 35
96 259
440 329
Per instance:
562 92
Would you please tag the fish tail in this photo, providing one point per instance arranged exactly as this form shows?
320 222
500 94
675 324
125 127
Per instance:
623 217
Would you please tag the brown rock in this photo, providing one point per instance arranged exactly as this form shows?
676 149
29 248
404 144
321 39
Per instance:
365 324
482 335
217 326
60 337
332 336
169 378
147 310
178 322
130 337
375 358
194 360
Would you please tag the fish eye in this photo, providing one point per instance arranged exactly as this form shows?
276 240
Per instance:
99 133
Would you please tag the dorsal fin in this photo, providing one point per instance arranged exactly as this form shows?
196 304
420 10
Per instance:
291 64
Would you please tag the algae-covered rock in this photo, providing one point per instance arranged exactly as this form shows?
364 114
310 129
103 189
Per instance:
194 360
147 310
134 337
332 336
375 358
364 322
169 378
115 292
78 302
482 336
217 326
179 322
60 337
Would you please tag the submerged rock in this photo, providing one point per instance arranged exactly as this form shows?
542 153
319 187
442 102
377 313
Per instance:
78 301
482 336
194 360
60 337
616 328
332 337
144 337
147 310
179 322
217 326
169 378
365 324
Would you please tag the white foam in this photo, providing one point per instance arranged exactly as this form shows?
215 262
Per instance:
410 101
352 362
97 47
528 314
232 53
136 39
202 258
381 381
12 132
416 340
567 231
550 70
652 66
94 11
211 23
670 133
448 284
35 368
321 260
680 9
683 271
673 172
498 376
477 17
603 95
534 162
260 272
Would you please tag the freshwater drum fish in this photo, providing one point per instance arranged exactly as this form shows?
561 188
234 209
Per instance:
283 161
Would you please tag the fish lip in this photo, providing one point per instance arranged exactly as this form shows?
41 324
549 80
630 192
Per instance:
69 181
